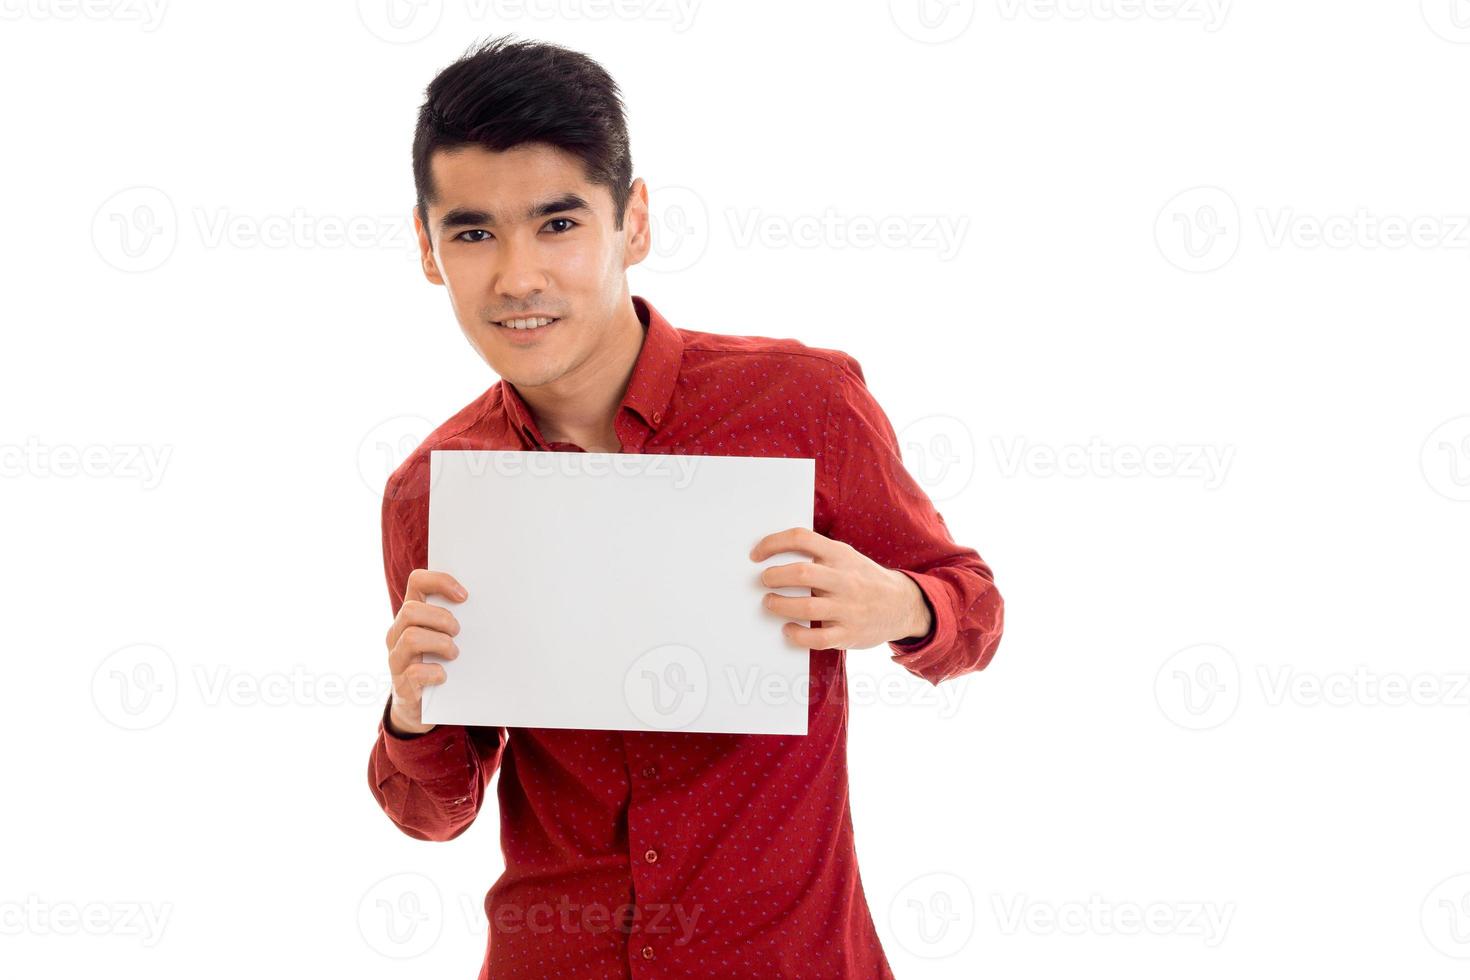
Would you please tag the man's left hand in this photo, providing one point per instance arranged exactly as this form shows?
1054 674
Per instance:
860 603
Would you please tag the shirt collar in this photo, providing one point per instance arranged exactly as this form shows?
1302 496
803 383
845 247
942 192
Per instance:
650 388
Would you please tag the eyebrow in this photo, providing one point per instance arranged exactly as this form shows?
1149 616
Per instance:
470 217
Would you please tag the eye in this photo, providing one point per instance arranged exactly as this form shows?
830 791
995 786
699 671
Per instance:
473 231
572 224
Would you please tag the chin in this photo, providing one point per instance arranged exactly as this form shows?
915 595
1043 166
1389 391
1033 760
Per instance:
525 372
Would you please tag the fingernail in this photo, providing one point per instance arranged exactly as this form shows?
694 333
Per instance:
461 593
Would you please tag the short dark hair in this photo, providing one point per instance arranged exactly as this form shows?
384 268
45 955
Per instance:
505 92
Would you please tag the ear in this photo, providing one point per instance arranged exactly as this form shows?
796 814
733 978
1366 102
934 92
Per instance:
638 238
426 251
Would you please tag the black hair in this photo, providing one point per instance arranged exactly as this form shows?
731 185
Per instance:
505 92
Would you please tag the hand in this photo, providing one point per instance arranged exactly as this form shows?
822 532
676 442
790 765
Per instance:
420 628
859 602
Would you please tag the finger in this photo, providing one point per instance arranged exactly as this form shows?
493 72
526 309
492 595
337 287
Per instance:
420 676
423 583
414 612
801 607
417 641
801 574
813 638
795 539
408 688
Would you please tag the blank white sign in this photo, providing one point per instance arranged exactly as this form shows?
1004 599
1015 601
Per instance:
616 591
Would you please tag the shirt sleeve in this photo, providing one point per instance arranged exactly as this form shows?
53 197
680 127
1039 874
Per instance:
430 785
883 512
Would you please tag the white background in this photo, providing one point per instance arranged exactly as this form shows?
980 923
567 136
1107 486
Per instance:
1231 700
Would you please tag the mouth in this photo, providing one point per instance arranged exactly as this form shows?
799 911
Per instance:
527 324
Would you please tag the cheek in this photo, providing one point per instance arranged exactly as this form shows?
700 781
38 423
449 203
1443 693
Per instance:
587 261
466 283
460 271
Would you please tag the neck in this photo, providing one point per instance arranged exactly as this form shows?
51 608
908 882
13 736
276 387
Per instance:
581 406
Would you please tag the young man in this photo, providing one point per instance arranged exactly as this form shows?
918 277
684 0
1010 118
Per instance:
648 854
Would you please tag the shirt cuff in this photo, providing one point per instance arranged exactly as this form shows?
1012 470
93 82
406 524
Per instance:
941 627
418 753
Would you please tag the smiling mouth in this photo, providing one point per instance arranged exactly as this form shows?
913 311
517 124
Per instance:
526 323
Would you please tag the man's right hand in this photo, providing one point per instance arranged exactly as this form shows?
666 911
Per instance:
420 628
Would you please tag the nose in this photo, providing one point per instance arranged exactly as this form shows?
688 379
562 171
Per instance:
518 271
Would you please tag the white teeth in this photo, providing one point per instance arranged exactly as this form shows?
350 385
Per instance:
527 324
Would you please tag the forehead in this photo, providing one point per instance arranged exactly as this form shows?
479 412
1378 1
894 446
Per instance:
509 181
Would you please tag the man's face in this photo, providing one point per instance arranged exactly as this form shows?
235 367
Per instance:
522 232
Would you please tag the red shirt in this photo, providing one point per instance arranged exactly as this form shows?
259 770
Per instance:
676 854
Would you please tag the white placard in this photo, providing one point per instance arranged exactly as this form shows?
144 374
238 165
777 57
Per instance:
616 591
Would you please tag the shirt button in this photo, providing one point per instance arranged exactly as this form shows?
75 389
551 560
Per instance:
656 417
649 771
650 855
648 952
